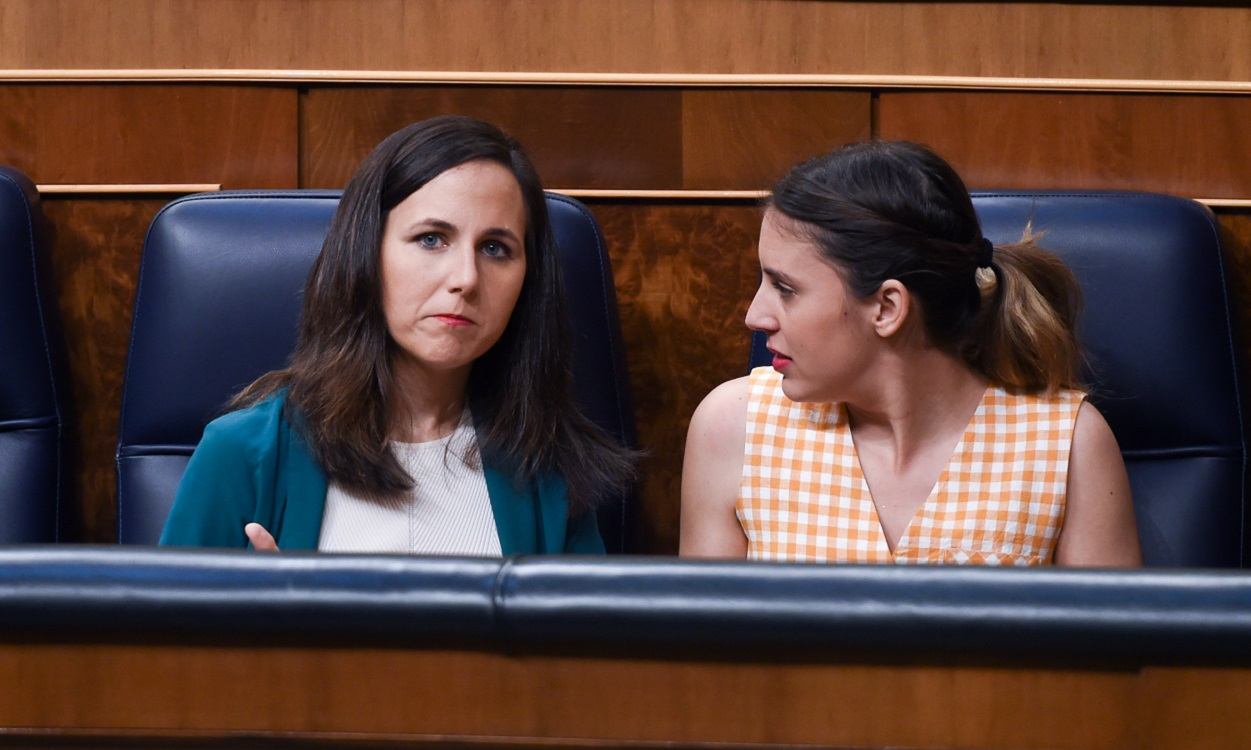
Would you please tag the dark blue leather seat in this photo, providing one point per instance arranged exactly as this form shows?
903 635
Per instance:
1157 330
33 486
218 303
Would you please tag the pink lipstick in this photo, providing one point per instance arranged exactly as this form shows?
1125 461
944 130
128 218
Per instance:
455 321
780 361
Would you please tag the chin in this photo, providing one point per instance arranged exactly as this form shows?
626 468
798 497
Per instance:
801 392
794 391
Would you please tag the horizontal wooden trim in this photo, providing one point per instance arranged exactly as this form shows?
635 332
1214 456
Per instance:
665 195
756 195
124 189
746 196
1224 202
74 738
764 80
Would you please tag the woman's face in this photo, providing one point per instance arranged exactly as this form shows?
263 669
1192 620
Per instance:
819 333
453 261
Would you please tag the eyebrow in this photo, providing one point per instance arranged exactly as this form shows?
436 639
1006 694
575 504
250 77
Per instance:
778 276
449 227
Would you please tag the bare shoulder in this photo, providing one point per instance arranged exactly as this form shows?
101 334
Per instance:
710 474
1091 432
720 421
1099 527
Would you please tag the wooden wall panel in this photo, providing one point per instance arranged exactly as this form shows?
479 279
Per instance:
95 262
1194 146
1236 240
529 700
745 139
239 136
1113 40
584 137
605 138
684 276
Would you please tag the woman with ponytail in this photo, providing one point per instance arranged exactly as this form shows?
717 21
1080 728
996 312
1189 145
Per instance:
923 402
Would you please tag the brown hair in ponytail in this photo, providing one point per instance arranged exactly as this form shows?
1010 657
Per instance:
895 210
1023 336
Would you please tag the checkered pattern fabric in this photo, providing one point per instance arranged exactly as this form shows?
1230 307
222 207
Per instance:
999 501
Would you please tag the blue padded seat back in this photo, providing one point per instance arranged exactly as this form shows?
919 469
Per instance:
32 384
1157 331
218 304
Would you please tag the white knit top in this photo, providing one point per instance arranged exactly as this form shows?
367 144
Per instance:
448 512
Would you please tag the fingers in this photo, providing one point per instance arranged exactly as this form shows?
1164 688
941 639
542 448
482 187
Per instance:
261 539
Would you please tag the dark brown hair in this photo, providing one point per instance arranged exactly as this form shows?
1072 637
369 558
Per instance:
339 382
895 210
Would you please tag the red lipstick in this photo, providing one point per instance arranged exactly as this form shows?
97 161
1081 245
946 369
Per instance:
780 361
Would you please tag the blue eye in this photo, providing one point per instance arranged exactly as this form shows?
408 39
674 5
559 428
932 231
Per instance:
493 249
430 240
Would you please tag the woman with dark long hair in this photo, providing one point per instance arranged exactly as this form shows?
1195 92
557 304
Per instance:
923 403
427 407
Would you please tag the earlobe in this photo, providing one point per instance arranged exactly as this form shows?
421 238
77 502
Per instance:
892 306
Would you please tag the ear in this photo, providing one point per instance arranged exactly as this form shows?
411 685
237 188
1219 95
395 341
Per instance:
892 304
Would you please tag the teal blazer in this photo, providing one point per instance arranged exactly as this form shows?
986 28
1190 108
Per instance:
251 465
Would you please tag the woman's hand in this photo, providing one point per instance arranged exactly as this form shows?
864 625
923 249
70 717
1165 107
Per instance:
261 540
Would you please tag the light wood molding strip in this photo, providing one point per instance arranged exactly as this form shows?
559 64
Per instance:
766 80
1224 202
586 193
663 195
123 189
756 195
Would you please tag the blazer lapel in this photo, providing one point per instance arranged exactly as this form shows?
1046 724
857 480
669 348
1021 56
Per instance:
304 495
515 514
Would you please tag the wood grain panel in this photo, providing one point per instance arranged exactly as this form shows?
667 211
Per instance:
569 700
1113 40
1195 709
577 137
1196 146
684 276
96 245
745 139
1236 241
239 136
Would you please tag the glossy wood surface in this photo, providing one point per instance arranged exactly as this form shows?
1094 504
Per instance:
581 136
684 276
95 252
735 139
1089 40
239 136
566 699
1194 146
593 137
231 697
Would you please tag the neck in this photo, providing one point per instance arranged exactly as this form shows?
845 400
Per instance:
426 404
916 399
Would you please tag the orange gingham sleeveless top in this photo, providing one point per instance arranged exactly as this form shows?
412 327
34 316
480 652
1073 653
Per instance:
999 501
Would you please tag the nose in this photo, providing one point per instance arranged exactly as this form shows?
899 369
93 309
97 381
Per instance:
760 316
462 276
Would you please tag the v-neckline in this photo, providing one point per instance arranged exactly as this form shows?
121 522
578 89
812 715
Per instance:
940 481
